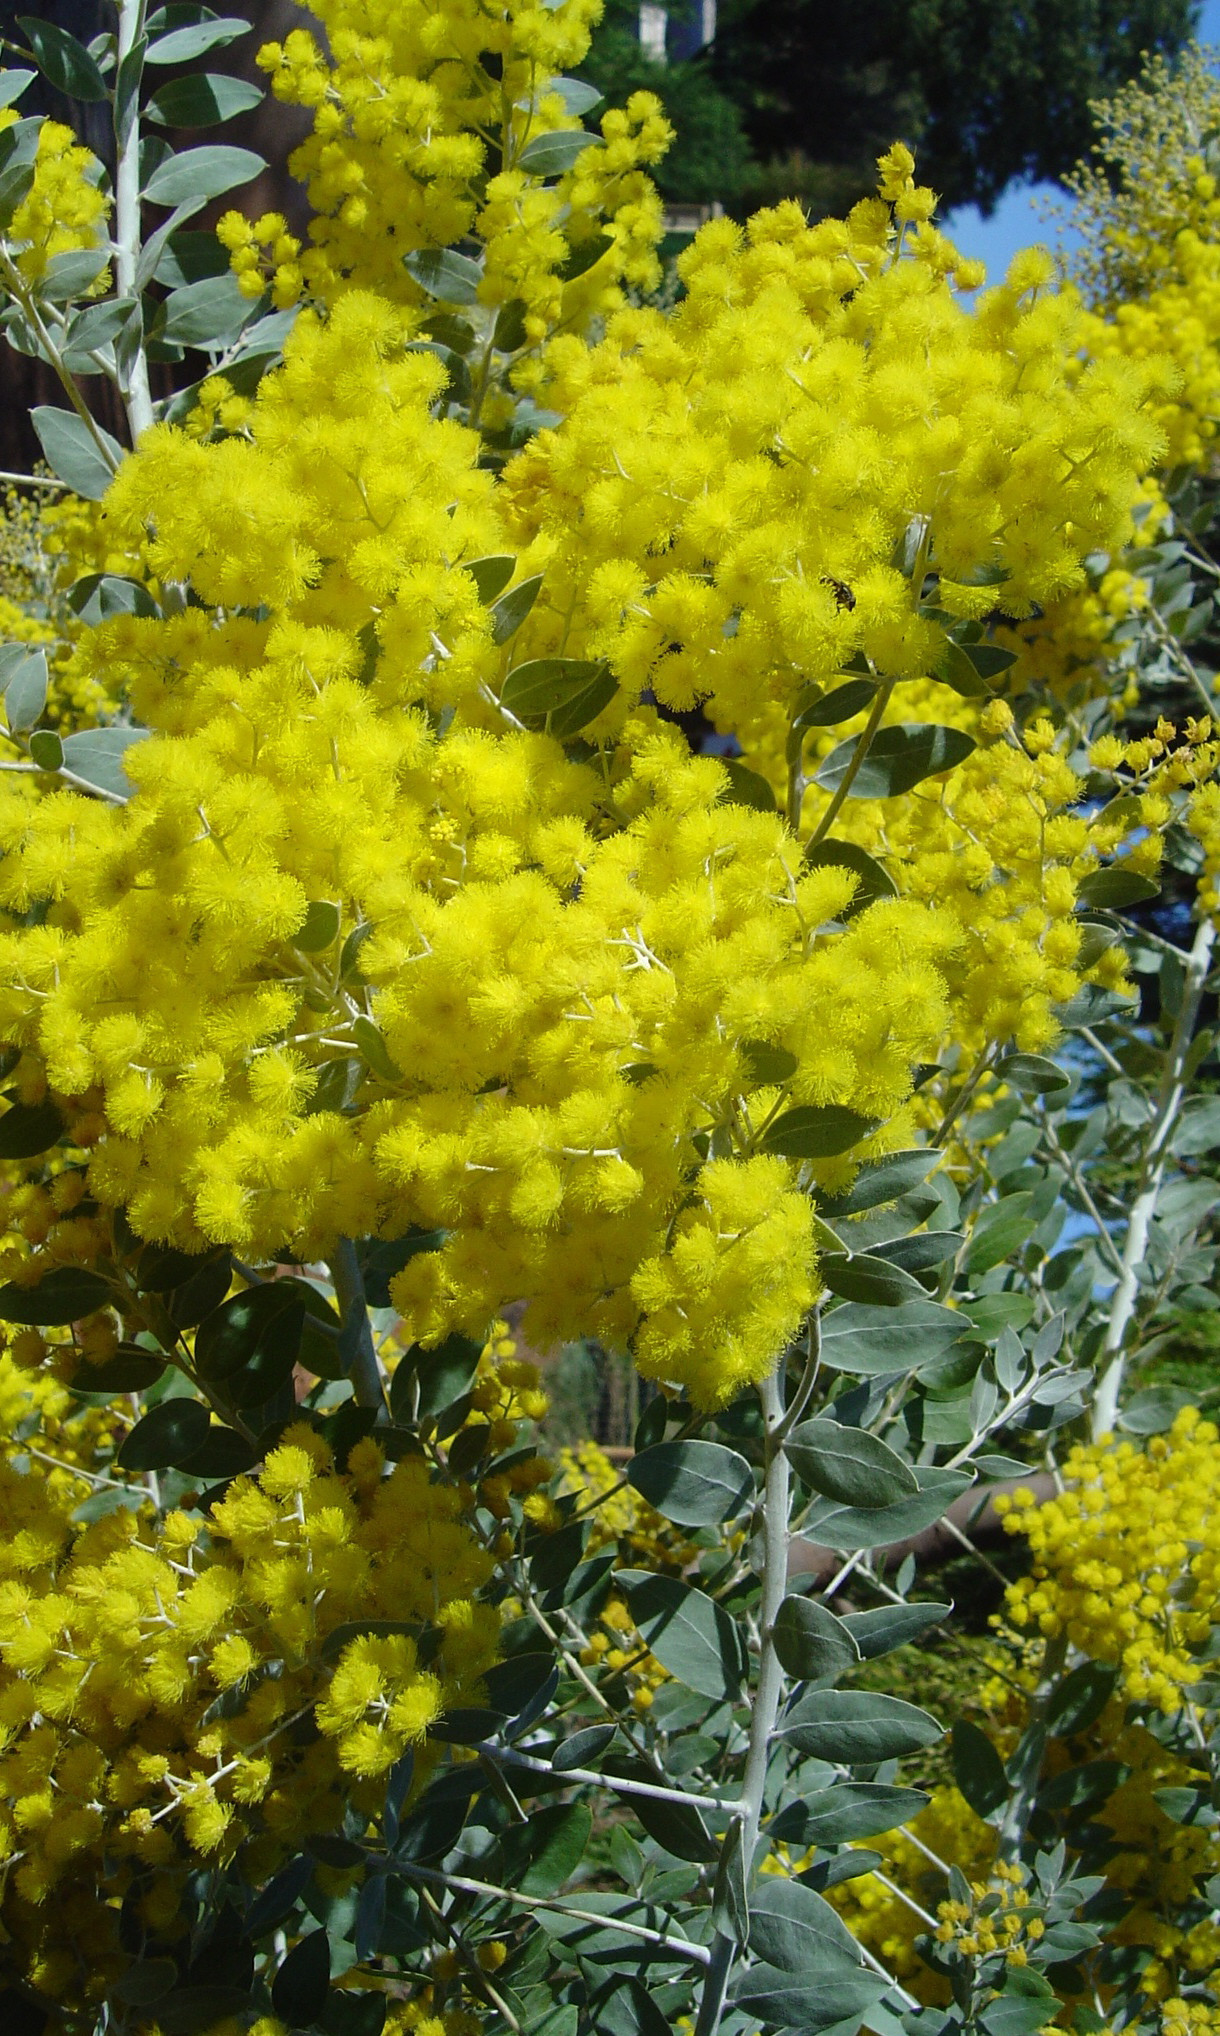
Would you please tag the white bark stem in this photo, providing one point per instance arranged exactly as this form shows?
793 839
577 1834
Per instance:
1152 1174
777 1500
137 396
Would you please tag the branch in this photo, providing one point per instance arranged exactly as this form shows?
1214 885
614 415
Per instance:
698 1953
1152 1175
137 397
776 1501
356 1340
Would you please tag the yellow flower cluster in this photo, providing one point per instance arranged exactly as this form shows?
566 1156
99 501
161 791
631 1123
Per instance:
1126 1560
1152 177
1158 1864
423 121
1147 213
873 1907
521 1016
263 256
720 513
120 1637
996 1918
65 208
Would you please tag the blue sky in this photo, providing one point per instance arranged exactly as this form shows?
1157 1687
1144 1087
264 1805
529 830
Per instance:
1016 220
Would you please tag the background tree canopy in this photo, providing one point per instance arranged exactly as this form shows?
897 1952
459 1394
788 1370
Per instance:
820 87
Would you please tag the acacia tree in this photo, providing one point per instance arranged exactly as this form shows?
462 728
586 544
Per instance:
379 956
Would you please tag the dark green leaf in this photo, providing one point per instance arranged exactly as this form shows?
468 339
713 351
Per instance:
445 1373
74 452
25 690
201 1293
747 788
583 1749
566 692
300 1987
507 615
230 1338
578 98
97 326
445 274
585 256
197 174
513 1686
898 759
491 575
130 1370
730 1889
840 705
811 1643
990 659
817 1131
823 1996
13 84
1032 1074
675 1828
624 2008
319 928
857 1726
552 155
691 1635
201 99
875 882
1155 1409
955 667
99 596
208 314
26 1129
1179 1805
276 1902
1010 2015
539 1857
223 1453
1092 1782
96 755
1002 1227
69 274
768 1065
850 1527
509 332
18 156
847 1811
1079 1699
891 1626
147 1980
374 1050
925 1248
863 1276
864 1340
978 1769
881 1180
849 1464
63 61
696 1484
1115 887
793 1928
167 1436
194 41
63 1295
190 2011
